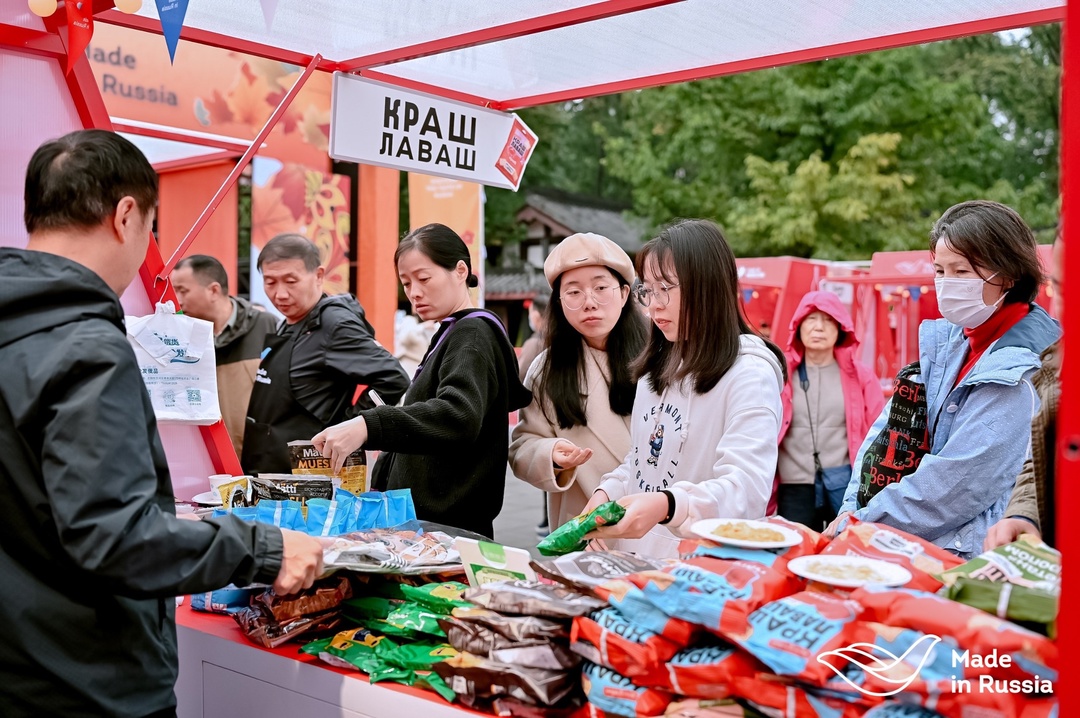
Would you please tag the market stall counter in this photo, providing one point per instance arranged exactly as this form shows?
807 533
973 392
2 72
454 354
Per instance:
223 675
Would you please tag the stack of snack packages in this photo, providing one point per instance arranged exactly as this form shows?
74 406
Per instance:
732 631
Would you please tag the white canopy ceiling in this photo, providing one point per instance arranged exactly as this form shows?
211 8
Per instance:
666 41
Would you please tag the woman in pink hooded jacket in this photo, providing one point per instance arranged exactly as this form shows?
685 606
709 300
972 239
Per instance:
830 402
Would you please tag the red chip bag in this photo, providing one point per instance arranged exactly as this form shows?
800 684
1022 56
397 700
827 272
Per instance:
608 639
923 559
612 694
781 697
776 559
701 671
632 604
984 641
706 708
788 635
713 593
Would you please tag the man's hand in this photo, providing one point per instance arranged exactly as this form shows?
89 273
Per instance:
643 513
301 563
834 527
567 455
340 440
1008 530
599 497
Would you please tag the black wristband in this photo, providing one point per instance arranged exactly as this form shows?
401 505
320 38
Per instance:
670 506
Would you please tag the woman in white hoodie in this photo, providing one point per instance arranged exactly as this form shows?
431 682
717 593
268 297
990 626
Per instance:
577 427
707 413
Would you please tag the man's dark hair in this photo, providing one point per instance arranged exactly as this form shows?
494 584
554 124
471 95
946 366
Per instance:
77 181
291 246
206 269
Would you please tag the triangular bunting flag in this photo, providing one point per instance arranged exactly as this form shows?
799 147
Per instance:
80 27
269 8
171 13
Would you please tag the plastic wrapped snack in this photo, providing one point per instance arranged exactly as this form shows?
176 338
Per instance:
570 536
442 598
224 600
608 639
612 694
477 677
701 672
309 461
321 597
530 598
393 551
544 647
923 559
585 570
631 603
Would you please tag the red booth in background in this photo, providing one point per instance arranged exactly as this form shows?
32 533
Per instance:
771 288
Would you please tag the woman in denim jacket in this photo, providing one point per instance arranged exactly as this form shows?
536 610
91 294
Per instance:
976 365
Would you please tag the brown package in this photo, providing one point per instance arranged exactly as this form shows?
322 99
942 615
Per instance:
307 460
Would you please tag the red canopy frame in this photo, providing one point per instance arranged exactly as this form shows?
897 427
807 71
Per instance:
92 112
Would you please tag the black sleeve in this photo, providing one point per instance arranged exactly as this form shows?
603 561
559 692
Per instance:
352 352
101 482
467 385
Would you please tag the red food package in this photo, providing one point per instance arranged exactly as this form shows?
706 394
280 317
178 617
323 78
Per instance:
701 672
789 635
714 593
515 153
612 694
632 604
923 559
989 642
778 559
777 696
608 639
707 708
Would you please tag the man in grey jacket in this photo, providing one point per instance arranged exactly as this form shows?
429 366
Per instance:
91 551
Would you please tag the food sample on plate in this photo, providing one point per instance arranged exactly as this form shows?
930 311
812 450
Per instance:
846 571
745 532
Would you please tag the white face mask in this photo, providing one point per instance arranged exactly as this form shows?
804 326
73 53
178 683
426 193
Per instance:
961 300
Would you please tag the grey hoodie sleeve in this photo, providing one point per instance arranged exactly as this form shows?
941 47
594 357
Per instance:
106 494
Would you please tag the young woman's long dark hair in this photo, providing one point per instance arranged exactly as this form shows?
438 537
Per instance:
704 268
562 373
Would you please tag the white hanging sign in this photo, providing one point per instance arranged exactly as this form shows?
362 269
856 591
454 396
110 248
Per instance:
375 123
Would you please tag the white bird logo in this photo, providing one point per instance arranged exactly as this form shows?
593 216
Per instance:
880 668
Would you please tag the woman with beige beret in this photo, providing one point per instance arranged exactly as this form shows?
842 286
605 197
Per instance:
577 427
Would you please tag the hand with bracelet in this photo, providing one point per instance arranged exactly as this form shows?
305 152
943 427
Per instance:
643 513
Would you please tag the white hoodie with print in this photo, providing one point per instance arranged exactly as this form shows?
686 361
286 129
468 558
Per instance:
716 452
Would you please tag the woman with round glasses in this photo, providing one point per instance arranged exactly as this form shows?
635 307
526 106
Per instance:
577 427
707 413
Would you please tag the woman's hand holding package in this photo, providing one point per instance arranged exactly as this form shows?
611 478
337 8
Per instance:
568 455
340 440
599 497
643 513
1008 530
837 525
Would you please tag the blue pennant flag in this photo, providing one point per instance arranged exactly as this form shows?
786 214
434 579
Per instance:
915 292
171 13
747 295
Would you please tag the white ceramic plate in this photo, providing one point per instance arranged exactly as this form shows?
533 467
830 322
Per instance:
843 571
207 498
706 527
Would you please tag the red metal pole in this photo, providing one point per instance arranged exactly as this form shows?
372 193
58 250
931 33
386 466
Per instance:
1068 464
235 174
506 31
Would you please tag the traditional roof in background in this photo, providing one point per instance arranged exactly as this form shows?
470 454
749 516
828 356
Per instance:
564 213
502 285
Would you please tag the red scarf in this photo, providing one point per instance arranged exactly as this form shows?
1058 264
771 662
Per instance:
981 337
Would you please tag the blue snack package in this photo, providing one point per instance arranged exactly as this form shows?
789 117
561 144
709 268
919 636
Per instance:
616 695
283 514
399 507
224 600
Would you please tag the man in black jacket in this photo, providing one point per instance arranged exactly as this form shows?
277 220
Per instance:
240 330
91 550
311 368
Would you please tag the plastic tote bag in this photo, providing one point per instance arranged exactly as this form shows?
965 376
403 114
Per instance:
176 358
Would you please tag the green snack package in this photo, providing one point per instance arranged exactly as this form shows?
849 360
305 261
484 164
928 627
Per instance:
414 617
422 679
370 607
1020 581
442 598
570 536
353 649
414 656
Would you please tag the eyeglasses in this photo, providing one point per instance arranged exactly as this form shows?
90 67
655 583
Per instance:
574 299
662 294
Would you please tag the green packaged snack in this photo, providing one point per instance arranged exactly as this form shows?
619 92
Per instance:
414 617
370 607
1020 581
442 598
570 536
414 656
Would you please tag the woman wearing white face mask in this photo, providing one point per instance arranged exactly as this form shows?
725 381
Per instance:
976 366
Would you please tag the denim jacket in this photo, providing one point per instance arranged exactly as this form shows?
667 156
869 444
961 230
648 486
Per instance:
980 436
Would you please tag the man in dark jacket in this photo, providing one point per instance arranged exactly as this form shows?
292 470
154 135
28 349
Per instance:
313 365
202 287
91 551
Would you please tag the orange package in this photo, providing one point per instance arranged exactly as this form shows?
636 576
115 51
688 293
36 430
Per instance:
923 559
608 639
777 559
717 594
701 671
632 604
992 645
774 695
612 694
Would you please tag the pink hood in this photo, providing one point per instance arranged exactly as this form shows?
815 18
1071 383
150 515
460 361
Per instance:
863 397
